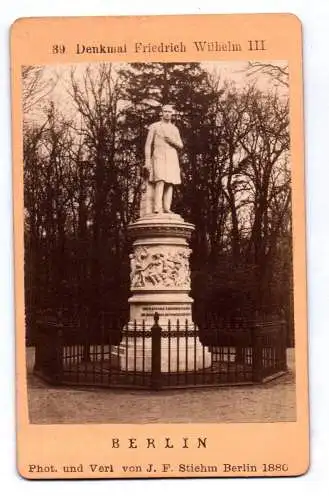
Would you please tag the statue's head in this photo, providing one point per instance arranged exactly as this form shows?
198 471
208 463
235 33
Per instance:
167 112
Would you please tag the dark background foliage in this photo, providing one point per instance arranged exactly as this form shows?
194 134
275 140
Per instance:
82 187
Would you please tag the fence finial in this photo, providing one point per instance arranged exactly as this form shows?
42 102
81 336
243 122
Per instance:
156 318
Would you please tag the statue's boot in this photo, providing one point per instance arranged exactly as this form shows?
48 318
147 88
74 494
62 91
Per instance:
158 194
167 198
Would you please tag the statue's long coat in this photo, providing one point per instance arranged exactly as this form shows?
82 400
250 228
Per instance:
165 164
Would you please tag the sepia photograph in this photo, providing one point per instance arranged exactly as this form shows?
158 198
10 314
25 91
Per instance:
158 245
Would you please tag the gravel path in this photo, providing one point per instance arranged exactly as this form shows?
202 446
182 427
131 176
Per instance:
274 401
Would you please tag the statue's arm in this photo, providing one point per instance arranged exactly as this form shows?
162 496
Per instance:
148 145
179 140
175 140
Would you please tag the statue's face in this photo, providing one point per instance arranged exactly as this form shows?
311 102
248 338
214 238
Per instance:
167 113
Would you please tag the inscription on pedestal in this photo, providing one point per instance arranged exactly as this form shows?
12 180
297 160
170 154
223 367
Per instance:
148 311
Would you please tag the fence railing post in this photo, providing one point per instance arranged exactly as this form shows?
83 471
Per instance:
257 353
49 349
156 354
37 347
58 352
283 345
87 327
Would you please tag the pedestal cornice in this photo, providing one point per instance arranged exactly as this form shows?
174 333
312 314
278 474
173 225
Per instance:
164 225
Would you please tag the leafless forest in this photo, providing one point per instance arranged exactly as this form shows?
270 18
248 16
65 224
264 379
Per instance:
84 138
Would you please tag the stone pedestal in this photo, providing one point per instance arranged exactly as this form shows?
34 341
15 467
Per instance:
160 282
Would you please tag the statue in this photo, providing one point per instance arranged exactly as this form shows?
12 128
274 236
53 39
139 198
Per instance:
161 164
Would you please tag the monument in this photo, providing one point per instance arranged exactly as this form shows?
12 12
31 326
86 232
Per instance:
159 263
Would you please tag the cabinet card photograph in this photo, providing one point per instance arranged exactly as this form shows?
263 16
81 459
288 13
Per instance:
161 317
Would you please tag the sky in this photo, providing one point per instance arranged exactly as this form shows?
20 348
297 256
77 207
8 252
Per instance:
234 71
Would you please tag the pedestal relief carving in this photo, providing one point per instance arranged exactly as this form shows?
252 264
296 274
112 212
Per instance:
160 266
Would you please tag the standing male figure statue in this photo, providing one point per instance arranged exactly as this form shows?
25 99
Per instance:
161 159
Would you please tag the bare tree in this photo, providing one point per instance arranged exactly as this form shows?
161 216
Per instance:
96 96
278 73
266 167
36 86
48 217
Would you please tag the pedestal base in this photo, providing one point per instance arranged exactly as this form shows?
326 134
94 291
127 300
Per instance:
178 354
160 283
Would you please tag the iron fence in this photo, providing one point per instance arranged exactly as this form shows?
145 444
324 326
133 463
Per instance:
176 355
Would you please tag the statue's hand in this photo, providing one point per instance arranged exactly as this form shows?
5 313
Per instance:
170 141
146 169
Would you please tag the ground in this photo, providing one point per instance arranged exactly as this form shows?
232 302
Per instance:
271 402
